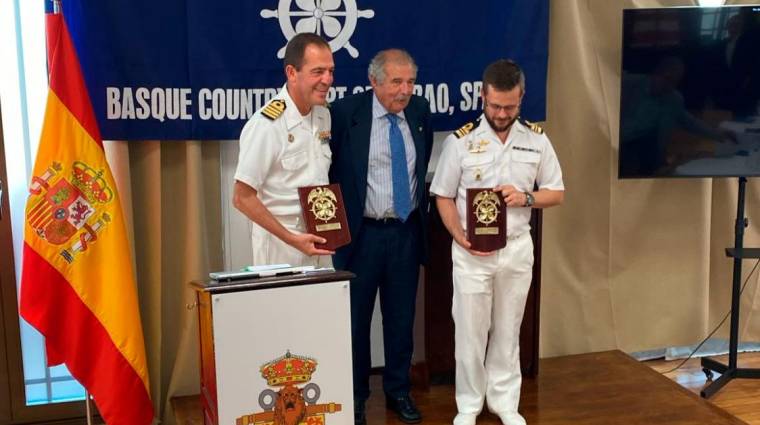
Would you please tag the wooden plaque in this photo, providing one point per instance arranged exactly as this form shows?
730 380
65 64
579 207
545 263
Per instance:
486 219
325 214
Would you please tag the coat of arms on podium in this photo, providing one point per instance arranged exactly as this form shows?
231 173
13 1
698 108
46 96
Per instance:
290 404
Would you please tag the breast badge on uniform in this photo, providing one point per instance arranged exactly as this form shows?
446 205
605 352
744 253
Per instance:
273 109
532 126
324 136
477 147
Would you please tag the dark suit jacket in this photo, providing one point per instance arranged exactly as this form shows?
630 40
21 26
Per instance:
350 133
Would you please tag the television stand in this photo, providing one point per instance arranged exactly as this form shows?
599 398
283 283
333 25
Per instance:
738 253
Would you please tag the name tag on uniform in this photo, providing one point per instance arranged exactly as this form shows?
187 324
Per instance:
524 149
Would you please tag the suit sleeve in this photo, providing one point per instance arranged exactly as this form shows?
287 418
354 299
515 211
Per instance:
337 128
428 134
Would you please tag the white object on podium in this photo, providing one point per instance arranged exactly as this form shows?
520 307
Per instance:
276 347
253 272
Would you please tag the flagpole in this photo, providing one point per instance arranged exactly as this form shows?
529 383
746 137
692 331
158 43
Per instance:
88 410
48 300
87 406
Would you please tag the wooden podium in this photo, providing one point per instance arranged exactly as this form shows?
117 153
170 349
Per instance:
276 349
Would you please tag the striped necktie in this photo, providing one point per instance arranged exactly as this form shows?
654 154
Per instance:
402 201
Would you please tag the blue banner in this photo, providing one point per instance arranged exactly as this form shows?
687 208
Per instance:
198 69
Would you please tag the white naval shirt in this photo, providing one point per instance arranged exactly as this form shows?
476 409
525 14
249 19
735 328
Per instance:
479 160
277 156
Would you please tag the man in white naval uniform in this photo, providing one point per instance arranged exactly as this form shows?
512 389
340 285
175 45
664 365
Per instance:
490 288
284 146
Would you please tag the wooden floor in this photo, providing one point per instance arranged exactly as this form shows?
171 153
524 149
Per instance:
589 389
740 397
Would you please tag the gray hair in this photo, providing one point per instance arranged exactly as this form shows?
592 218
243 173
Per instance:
376 68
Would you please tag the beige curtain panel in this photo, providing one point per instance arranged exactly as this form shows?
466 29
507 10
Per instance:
632 265
174 191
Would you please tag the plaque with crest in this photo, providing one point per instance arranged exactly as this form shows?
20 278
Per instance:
486 220
325 215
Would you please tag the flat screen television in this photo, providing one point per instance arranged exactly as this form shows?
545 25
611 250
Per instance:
690 92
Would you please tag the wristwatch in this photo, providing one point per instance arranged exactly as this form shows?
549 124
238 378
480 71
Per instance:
529 199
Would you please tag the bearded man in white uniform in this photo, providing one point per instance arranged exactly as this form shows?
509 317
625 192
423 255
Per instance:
490 288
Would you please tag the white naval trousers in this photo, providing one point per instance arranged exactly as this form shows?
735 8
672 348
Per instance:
488 305
269 249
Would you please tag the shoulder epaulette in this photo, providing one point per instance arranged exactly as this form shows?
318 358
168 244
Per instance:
465 129
273 109
533 126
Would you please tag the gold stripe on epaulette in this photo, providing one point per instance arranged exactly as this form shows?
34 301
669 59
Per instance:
464 130
533 126
273 109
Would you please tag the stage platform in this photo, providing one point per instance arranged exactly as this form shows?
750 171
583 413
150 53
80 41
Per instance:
590 389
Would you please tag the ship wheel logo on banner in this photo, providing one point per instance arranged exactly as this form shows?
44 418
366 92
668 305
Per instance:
335 20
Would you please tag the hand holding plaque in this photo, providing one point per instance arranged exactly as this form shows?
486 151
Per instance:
486 220
325 215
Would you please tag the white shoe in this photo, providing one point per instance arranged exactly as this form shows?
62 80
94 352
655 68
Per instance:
465 419
512 418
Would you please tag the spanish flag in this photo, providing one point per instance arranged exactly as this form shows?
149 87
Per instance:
77 284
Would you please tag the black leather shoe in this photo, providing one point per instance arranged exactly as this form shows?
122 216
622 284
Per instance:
405 409
360 414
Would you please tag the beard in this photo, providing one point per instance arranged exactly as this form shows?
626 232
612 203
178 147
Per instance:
500 128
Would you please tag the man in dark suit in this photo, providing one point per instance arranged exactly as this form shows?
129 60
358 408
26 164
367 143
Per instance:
381 143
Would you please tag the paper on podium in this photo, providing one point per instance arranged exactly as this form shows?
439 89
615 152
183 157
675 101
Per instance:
253 272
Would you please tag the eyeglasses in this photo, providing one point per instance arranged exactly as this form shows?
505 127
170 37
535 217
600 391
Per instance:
497 108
